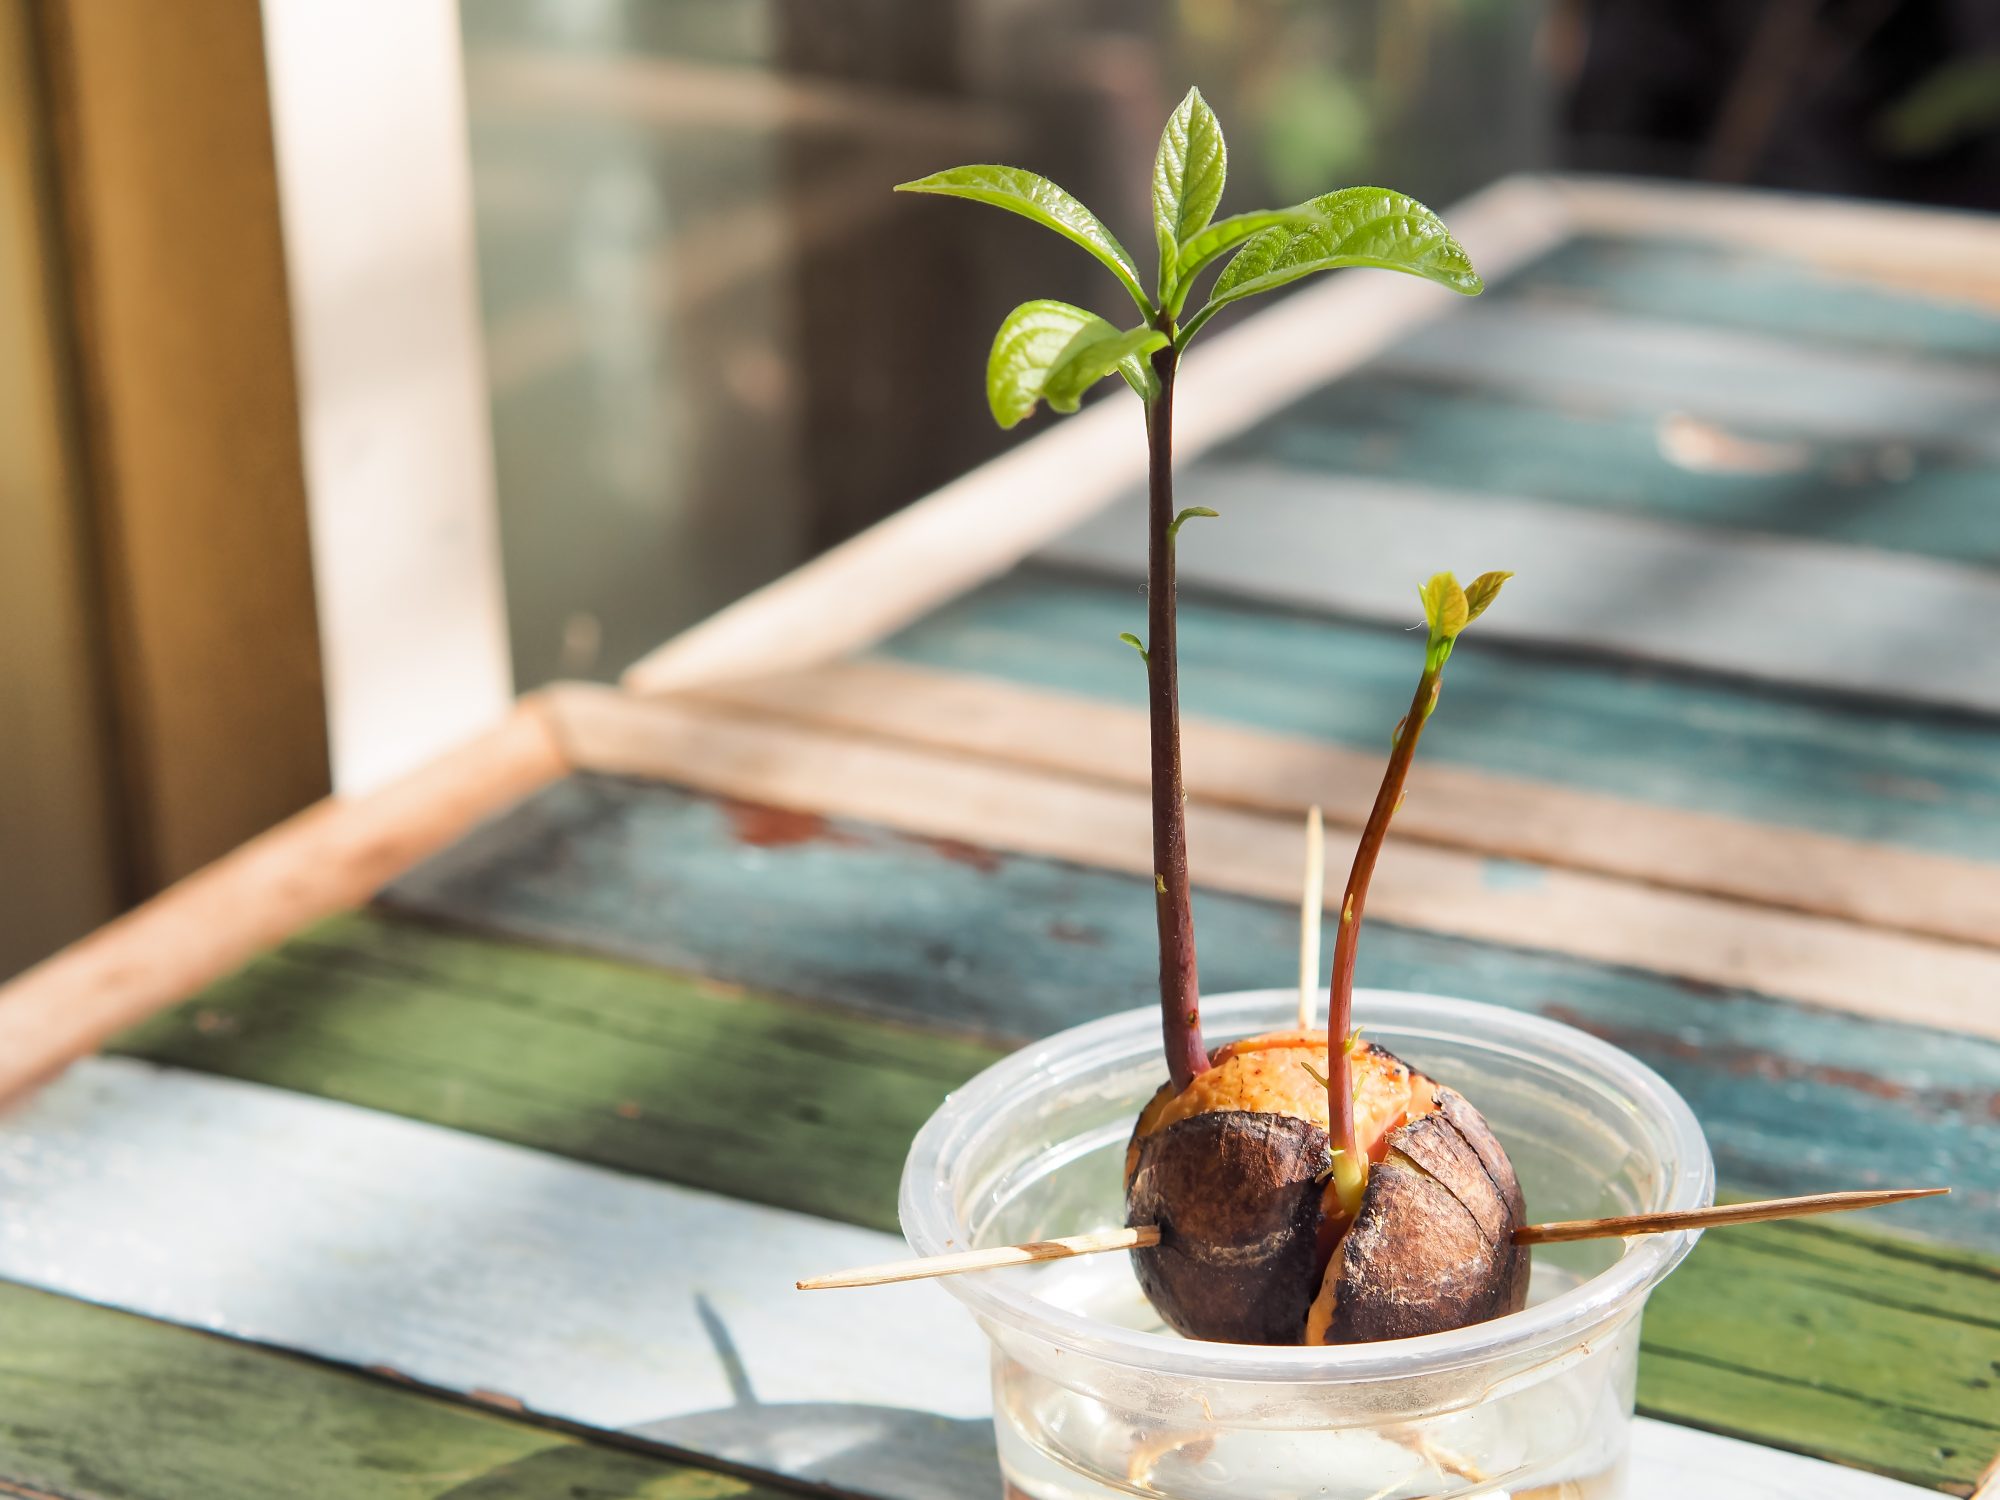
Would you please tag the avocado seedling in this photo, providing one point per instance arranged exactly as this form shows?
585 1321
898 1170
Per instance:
1255 1164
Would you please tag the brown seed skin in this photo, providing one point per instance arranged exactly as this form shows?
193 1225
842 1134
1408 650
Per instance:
1433 1246
1237 1199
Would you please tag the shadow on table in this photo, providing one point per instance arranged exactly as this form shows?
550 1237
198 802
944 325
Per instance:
875 1450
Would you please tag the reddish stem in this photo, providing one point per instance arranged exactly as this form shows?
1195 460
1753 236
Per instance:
1340 1000
1180 989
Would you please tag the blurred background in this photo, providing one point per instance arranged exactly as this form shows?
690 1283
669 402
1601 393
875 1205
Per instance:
360 365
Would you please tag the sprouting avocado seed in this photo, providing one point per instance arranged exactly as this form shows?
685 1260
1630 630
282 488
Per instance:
1234 1171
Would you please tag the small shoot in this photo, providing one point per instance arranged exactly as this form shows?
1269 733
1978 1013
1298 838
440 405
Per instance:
1448 610
1049 352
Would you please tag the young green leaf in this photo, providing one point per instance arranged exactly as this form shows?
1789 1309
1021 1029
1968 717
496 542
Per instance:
1032 339
1481 592
1093 354
1359 226
1225 235
1445 606
1187 515
1188 173
1037 198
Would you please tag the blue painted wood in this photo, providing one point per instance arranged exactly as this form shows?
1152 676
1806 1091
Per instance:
1924 497
1795 1100
1926 781
1725 286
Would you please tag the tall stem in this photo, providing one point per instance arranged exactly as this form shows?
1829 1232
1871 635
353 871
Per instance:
1180 989
1350 1170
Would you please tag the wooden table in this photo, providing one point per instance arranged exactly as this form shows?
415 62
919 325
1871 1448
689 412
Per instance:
488 1120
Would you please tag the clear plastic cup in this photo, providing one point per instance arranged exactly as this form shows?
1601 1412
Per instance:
1093 1398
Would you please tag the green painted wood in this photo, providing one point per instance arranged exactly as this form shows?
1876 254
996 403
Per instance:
575 1055
1724 286
1920 779
1007 946
1922 497
1840 1344
102 1405
628 1067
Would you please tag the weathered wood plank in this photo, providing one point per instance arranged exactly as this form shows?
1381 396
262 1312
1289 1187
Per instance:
1718 285
1923 781
1561 354
1595 581
1813 959
1930 497
693 1080
1796 1100
102 1405
473 1266
1865 1316
1512 817
431 1252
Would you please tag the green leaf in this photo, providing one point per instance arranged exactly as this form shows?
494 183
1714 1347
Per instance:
1135 643
1031 341
1174 529
1037 198
1445 606
1225 235
1036 339
1481 592
1187 180
1093 354
1360 226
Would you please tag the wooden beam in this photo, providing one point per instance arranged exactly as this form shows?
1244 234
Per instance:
327 858
61 873
190 418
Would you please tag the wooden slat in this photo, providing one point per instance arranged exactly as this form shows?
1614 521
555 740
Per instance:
1919 781
1928 497
963 940
1791 611
1893 976
101 1405
1503 816
326 858
983 523
388 1233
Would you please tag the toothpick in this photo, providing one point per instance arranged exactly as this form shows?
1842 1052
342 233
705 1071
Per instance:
987 1260
1311 913
1144 1235
1719 1217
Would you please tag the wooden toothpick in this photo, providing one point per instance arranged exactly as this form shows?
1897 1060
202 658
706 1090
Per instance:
1719 1217
1144 1235
1311 912
987 1260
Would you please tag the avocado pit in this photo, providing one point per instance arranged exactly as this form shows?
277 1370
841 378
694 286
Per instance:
1254 1247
